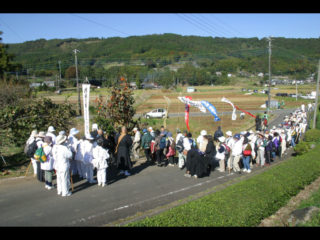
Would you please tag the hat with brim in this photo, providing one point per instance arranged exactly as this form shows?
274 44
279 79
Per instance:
203 133
222 139
41 134
229 133
61 139
74 131
51 129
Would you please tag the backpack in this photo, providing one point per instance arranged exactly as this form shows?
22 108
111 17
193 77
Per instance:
152 146
40 155
192 143
162 143
179 145
31 148
247 151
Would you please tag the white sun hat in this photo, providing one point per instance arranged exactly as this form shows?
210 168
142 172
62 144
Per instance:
51 129
74 131
229 133
222 139
94 126
203 133
61 139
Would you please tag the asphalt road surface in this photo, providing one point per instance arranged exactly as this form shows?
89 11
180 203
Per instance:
25 201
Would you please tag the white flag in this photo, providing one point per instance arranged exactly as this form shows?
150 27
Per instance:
192 103
86 95
234 115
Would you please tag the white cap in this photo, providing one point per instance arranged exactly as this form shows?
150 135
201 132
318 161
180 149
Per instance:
74 131
94 126
221 139
135 129
51 129
229 133
149 128
203 133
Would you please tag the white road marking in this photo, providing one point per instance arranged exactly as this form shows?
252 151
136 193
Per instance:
150 199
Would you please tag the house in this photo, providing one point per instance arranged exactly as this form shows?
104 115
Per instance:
229 75
33 85
260 74
218 73
133 85
49 83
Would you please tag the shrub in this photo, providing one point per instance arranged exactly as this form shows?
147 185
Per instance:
312 135
302 148
245 203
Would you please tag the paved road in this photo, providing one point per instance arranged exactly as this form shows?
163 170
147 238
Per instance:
25 201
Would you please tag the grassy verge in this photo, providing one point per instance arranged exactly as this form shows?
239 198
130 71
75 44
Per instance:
247 202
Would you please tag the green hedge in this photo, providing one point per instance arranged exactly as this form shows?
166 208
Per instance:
312 135
247 202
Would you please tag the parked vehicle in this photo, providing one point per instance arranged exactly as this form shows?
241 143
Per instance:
191 89
156 113
282 94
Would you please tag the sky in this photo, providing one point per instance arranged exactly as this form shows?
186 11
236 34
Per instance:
18 28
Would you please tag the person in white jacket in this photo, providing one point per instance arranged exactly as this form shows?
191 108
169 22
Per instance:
47 166
136 143
229 142
79 159
100 156
220 156
51 134
62 155
87 158
73 144
30 140
236 152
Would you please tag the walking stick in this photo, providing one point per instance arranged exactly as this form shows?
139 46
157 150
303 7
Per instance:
28 168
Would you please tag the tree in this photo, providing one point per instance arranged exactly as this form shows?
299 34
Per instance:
5 59
120 106
70 72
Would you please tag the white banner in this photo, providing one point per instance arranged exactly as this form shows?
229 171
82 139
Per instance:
86 95
234 115
196 104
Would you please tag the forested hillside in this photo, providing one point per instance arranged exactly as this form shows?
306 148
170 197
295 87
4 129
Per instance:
191 56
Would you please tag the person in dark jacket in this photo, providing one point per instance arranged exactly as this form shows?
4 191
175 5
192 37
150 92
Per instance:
145 144
210 153
122 151
258 123
217 134
268 151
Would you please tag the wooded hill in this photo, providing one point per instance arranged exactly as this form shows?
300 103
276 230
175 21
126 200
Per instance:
289 56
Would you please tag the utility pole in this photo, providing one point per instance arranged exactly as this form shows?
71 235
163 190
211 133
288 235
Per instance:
59 80
268 107
317 95
78 86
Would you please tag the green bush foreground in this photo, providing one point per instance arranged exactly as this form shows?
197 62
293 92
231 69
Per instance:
247 202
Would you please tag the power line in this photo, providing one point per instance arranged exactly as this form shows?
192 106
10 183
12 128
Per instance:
234 29
100 24
12 30
201 18
186 19
201 23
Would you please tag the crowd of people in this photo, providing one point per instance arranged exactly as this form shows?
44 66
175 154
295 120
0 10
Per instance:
69 155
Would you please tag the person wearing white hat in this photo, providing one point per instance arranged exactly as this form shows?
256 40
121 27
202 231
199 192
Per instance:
220 156
94 131
79 159
29 144
136 143
100 156
51 134
47 166
88 157
229 143
73 144
261 144
62 155
200 138
39 139
283 141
